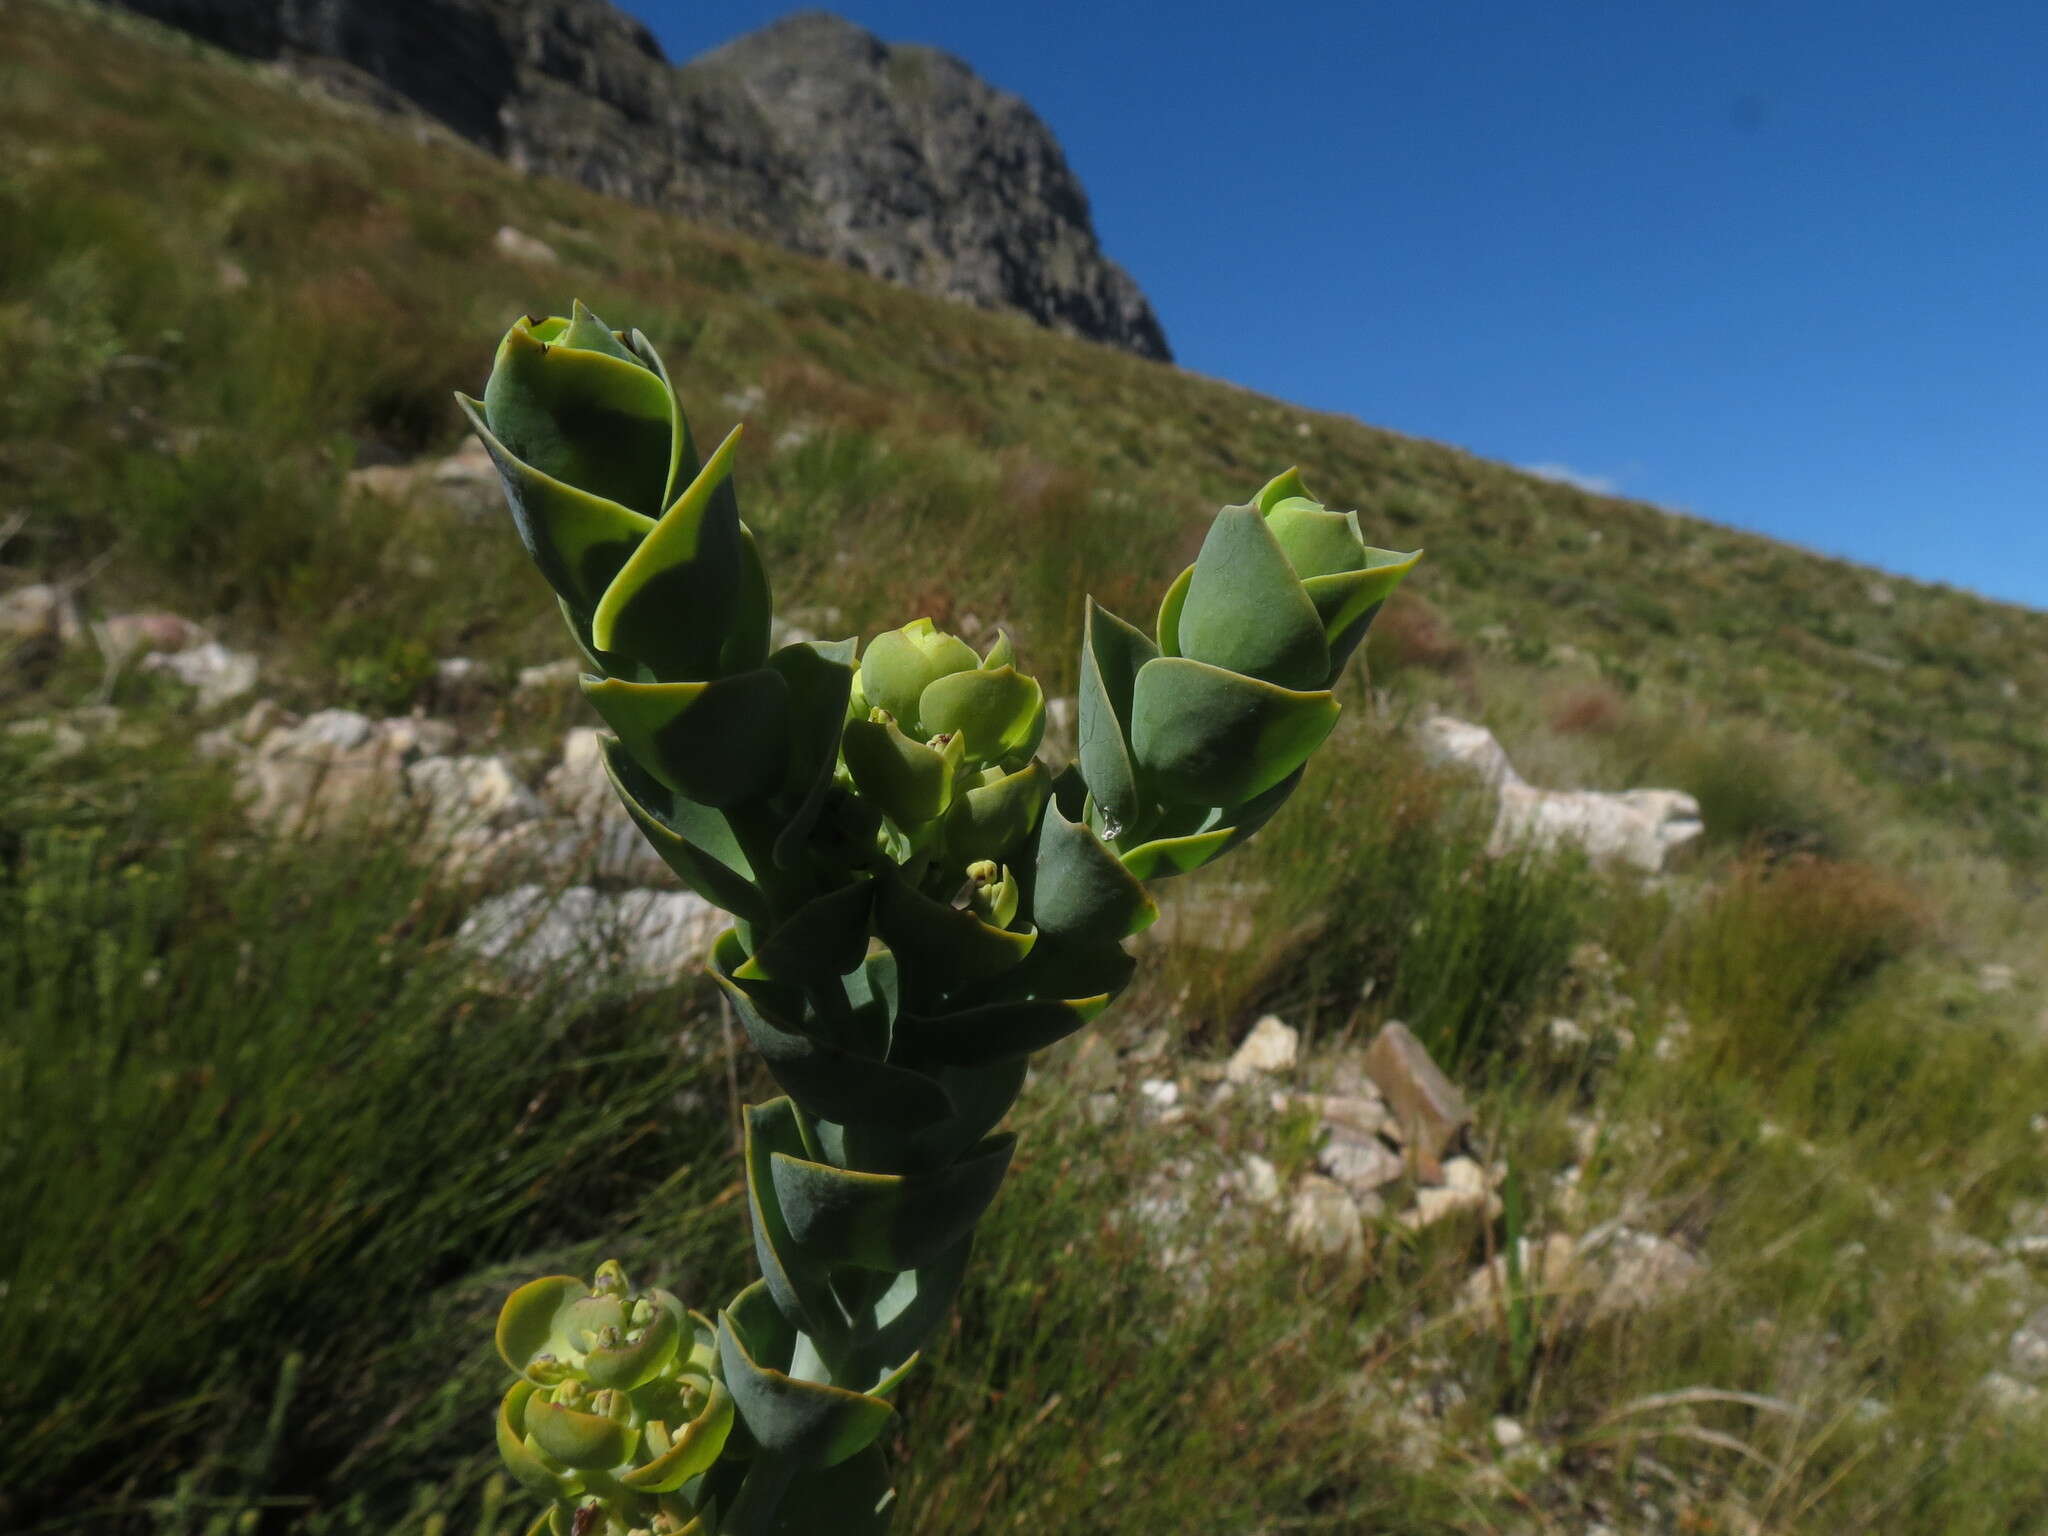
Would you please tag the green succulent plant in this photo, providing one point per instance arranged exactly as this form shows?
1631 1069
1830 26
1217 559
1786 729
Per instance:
919 904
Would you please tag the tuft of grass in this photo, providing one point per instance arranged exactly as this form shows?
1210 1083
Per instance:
282 1115
1776 955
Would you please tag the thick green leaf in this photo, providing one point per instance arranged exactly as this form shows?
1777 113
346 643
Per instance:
1082 889
1344 598
1167 856
525 1460
575 1438
996 711
746 643
1171 607
673 604
1245 611
634 1364
939 947
820 676
797 1283
719 743
585 330
1111 654
1276 490
579 540
691 1450
900 665
1206 736
809 1422
526 1322
887 1222
823 940
596 420
694 840
683 463
829 1081
974 1037
993 818
905 780
1316 541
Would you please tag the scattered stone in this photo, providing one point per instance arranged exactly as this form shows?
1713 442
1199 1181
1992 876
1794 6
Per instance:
67 734
216 674
335 768
549 677
1323 1224
2008 1395
636 941
1567 1037
1352 1117
1508 1433
1459 742
1271 1048
1435 1203
1549 1270
1992 979
39 617
1640 828
469 794
2026 1352
232 276
127 635
1259 1182
1644 1270
463 682
1361 1166
521 246
1162 1095
1431 1111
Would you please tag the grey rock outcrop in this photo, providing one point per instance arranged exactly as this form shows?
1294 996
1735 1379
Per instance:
812 133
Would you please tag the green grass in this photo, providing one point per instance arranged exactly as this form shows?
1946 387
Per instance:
270 1155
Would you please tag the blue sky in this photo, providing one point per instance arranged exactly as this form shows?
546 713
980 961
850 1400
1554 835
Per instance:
1781 265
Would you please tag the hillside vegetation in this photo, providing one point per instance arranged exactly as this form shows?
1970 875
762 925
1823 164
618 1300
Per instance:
270 1153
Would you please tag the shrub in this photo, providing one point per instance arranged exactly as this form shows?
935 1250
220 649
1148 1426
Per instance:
1785 945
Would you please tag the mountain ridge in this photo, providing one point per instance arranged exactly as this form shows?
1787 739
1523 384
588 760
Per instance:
811 133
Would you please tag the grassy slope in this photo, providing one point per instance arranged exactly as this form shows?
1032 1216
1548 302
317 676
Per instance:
182 438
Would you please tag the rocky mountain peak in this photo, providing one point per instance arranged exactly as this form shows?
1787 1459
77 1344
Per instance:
896 159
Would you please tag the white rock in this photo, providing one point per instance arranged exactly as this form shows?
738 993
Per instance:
1260 1181
39 614
333 769
1322 1223
1445 740
1995 978
549 677
1636 827
1437 1203
1549 1270
1271 1047
217 674
635 941
471 793
521 246
1644 1270
1361 1166
139 634
1508 1433
1466 1174
1567 1036
2026 1351
1159 1092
